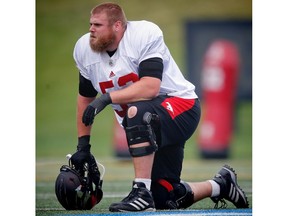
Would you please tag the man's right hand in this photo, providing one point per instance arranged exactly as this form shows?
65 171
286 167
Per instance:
82 156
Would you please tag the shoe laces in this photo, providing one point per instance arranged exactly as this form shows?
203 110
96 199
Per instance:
223 204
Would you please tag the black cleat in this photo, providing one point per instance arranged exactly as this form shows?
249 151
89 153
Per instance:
229 189
139 199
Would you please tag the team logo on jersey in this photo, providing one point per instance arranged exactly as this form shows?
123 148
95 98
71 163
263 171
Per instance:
112 74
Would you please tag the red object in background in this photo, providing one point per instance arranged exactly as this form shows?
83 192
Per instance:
219 80
120 142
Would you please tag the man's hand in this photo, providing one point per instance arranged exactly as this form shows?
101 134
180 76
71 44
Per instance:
82 156
94 108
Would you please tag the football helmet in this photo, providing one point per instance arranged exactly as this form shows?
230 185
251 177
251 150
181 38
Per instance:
75 191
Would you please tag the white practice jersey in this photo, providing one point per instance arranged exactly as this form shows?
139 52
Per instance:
142 40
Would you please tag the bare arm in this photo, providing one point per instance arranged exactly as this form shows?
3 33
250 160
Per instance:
82 103
144 89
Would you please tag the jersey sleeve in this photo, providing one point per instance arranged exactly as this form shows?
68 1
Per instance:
86 88
152 43
79 58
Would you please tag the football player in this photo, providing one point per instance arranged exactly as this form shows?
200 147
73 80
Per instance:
128 65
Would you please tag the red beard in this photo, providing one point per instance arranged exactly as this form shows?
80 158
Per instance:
101 43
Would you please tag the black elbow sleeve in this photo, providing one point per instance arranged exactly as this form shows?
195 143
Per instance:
152 67
86 88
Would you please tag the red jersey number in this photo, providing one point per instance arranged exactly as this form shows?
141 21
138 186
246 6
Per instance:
122 81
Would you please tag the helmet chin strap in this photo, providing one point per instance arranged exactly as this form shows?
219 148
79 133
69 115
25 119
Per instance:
103 170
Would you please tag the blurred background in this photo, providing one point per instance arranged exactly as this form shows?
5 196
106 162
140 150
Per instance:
189 27
212 43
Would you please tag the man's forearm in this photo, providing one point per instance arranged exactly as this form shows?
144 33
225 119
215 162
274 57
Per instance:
82 103
144 89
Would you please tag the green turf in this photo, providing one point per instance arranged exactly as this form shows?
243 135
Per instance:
117 182
59 23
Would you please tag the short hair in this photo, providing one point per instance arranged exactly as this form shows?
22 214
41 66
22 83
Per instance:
114 12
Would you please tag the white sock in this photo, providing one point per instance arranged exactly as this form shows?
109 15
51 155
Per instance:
215 188
147 182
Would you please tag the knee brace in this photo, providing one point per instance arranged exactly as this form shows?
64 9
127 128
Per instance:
172 195
142 133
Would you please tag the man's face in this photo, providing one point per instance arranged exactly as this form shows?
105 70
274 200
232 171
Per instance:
101 33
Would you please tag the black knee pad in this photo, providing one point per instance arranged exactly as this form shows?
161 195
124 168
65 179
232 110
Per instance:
172 195
142 133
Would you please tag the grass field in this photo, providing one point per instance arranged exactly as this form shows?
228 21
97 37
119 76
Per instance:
58 25
117 183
